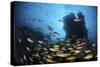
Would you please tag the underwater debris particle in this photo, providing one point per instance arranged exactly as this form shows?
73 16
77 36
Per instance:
30 40
89 56
28 49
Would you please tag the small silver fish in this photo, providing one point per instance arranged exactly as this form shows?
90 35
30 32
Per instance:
28 49
30 40
89 56
21 60
31 59
41 42
24 58
19 40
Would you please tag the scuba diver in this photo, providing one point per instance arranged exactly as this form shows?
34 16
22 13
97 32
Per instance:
75 26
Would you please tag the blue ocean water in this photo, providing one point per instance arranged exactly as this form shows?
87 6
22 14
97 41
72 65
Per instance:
41 15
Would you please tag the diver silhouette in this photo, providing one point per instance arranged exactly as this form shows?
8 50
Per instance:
75 26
